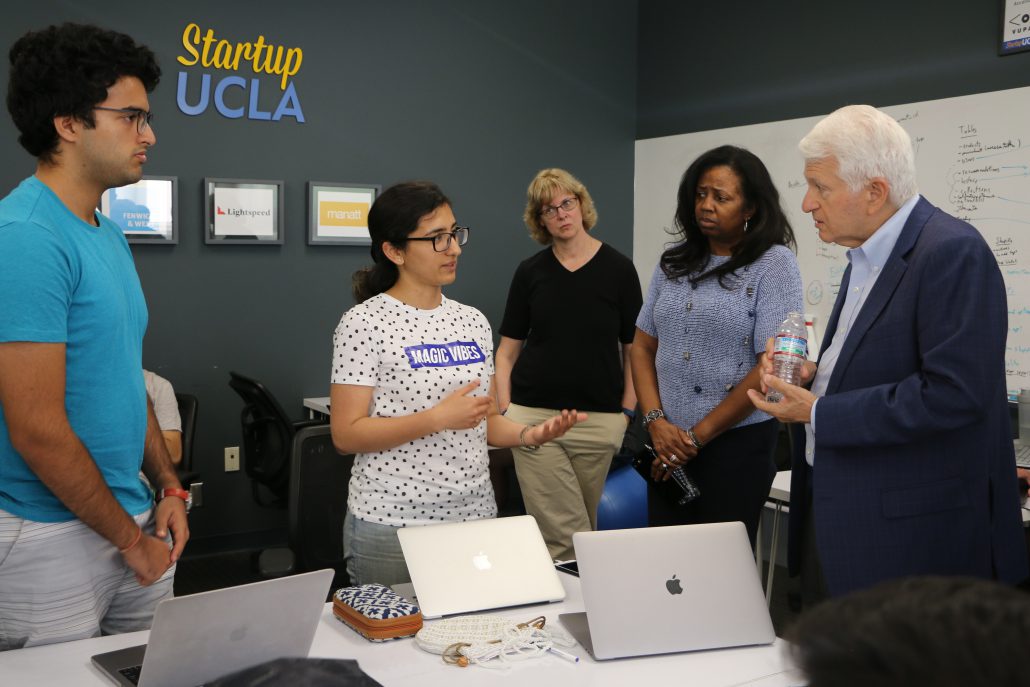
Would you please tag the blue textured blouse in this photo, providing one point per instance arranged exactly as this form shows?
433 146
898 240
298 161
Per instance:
708 336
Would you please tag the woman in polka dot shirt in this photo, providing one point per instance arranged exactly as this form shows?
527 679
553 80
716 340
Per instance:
412 387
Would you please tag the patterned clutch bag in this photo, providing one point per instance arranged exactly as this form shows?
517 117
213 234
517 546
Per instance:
376 612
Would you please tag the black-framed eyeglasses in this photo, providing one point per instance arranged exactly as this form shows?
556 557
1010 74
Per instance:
142 117
567 205
442 242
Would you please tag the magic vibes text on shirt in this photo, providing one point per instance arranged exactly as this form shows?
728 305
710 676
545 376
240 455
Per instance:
444 355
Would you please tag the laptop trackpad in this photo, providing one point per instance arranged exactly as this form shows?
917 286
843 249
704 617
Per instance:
576 624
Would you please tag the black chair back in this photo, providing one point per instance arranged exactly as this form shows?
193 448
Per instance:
267 437
188 406
319 477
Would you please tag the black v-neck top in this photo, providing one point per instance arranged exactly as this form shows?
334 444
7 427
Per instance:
572 324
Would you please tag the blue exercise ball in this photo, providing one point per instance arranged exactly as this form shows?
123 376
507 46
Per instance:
624 501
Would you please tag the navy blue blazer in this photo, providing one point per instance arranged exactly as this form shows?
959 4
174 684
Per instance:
914 466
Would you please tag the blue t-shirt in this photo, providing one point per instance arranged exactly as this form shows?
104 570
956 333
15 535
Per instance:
63 280
708 336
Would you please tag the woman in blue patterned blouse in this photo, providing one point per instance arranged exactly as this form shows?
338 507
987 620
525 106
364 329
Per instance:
715 297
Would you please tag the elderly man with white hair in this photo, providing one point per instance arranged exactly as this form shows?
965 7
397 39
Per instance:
903 461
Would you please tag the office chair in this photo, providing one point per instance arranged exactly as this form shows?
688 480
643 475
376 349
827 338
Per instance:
265 451
319 478
188 406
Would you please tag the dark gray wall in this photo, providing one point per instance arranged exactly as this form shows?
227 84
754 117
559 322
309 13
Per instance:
708 65
475 95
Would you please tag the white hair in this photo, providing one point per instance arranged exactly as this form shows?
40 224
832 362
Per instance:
866 144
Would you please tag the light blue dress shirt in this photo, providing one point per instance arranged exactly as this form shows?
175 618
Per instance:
866 263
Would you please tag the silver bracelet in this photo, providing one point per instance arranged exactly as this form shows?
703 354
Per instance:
693 438
522 439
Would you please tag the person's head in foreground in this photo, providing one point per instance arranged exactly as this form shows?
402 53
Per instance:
915 632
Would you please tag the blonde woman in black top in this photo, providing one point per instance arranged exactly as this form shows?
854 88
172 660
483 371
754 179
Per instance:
565 341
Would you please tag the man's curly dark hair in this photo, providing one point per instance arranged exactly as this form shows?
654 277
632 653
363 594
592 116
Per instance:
66 70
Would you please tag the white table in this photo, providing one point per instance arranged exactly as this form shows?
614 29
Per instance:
402 664
317 406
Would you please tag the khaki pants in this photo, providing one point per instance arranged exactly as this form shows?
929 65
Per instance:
562 481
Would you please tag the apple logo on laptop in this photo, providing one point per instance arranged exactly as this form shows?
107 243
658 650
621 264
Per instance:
238 634
481 561
673 585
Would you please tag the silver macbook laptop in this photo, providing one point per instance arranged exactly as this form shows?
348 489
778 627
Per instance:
660 590
477 565
1022 454
201 637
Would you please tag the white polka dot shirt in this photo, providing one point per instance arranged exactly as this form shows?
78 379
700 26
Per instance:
413 359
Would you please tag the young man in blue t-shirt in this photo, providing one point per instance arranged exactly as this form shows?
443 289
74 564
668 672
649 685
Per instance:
83 549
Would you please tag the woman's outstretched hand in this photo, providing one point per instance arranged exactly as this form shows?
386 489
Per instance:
554 428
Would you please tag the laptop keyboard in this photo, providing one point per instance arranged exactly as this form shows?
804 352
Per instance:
131 674
1023 456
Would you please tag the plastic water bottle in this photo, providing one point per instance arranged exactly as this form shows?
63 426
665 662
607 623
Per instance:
679 475
690 489
789 352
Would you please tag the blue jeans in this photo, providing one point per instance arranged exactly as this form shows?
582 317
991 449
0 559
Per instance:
373 553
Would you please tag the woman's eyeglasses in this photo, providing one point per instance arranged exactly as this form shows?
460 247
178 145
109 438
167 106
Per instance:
442 242
567 205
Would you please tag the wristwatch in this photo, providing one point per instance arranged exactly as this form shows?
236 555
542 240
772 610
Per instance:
653 415
178 493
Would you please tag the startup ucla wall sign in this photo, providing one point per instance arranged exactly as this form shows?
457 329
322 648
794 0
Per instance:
234 96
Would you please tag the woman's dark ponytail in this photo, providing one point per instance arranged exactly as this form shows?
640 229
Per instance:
373 280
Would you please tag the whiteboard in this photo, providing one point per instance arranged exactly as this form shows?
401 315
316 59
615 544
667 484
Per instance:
972 159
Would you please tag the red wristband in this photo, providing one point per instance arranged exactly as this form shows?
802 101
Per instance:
130 547
178 493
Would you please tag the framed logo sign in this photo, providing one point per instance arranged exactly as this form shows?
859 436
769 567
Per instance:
147 211
243 211
338 213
